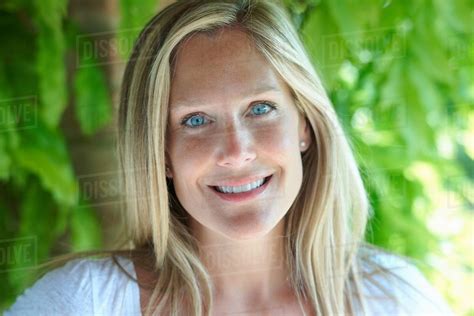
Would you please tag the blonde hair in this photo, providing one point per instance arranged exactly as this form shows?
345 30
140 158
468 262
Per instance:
325 225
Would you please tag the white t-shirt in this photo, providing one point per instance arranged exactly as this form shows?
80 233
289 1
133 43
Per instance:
100 287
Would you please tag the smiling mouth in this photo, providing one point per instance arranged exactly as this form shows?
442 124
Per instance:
266 179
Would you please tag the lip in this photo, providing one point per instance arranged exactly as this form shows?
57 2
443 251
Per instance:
234 183
244 196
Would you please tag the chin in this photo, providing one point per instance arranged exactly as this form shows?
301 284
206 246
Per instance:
245 229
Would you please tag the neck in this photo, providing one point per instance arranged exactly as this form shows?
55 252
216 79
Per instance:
249 272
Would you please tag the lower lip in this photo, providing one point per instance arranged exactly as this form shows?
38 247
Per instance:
243 196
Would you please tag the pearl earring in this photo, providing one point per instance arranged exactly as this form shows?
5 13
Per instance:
303 144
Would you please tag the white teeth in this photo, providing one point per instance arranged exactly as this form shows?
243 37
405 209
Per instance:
241 188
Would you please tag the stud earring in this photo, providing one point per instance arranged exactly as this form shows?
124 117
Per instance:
302 144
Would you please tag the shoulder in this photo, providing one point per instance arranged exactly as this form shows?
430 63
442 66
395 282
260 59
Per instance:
394 285
80 287
63 290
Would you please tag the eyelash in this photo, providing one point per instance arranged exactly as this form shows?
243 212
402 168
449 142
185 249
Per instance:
185 119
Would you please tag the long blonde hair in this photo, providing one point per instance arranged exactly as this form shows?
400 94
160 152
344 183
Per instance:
326 223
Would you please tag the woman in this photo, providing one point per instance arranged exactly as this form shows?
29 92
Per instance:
244 196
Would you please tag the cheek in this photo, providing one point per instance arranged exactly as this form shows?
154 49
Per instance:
278 137
188 152
187 156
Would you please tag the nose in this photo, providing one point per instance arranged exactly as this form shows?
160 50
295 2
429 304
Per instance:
236 148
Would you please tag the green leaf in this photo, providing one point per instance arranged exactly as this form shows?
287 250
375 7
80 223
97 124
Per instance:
93 106
51 12
36 221
347 25
13 5
85 229
429 94
36 233
415 128
52 75
43 153
134 16
324 43
433 61
50 61
391 89
456 14
5 161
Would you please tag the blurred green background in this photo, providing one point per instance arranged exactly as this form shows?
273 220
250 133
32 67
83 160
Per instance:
400 75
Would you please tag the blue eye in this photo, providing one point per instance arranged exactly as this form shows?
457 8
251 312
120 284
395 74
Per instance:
195 121
262 108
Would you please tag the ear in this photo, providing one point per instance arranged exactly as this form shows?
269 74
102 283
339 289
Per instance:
304 132
169 174
168 170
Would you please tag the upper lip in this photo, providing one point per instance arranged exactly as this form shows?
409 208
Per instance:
240 181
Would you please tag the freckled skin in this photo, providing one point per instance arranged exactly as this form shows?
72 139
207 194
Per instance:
219 75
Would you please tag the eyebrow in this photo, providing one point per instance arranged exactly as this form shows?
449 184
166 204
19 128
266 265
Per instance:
189 103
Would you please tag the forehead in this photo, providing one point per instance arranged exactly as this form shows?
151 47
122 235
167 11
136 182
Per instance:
215 46
220 66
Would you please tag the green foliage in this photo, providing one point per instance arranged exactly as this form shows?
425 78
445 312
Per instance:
42 152
400 78
93 108
50 59
84 227
134 15
38 195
